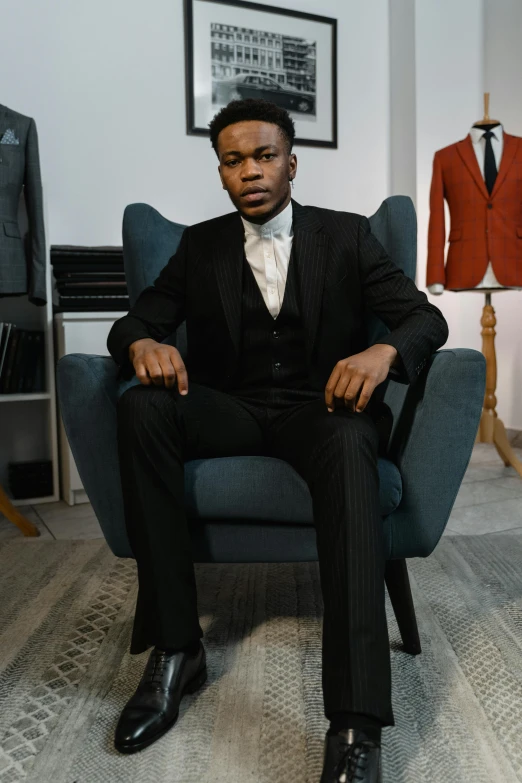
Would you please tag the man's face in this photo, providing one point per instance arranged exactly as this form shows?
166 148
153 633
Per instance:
255 168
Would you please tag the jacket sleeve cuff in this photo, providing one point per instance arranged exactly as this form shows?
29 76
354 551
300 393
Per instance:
406 371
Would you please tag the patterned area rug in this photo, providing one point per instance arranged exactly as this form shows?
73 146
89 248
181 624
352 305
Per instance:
65 624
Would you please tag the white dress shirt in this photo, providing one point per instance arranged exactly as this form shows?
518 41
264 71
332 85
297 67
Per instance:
479 145
267 250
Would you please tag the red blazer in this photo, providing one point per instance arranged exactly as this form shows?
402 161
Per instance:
483 228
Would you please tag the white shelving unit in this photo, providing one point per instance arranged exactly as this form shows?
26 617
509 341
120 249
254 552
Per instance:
28 421
31 426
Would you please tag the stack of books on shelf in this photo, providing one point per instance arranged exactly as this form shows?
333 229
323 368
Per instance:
22 366
89 278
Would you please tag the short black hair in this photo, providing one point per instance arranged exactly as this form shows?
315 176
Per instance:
252 109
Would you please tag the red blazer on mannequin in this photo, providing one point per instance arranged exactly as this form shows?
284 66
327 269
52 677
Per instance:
483 227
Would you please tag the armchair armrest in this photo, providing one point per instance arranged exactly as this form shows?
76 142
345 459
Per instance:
431 444
88 391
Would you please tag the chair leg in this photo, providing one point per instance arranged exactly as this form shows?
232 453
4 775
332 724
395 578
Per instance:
399 590
14 516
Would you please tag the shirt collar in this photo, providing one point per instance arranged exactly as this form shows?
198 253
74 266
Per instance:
280 225
477 133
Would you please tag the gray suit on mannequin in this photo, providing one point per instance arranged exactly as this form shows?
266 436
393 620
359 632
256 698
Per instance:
20 272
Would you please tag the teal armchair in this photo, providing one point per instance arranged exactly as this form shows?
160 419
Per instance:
235 506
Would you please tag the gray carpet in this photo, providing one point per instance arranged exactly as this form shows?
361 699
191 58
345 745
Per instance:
65 620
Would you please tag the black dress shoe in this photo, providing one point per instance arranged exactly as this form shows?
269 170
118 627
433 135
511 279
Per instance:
351 757
154 708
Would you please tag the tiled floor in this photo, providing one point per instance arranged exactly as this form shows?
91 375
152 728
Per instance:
489 501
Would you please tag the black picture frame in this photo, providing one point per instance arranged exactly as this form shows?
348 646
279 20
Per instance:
283 91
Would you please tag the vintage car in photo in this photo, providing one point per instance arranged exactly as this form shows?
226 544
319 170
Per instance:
250 85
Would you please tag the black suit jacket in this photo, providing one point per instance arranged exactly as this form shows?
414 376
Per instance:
341 269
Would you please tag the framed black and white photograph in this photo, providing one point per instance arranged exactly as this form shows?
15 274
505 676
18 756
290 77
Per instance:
236 50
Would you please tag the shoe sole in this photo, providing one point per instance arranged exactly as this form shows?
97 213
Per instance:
190 687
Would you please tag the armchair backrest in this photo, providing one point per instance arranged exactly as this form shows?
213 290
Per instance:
395 226
149 240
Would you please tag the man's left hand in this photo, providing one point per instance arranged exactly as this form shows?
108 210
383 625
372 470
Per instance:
354 379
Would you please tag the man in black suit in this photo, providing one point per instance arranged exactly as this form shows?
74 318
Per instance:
278 362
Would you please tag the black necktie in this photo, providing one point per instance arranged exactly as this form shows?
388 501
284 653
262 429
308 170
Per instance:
490 167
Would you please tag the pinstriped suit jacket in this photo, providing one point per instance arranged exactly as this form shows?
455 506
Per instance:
341 271
20 167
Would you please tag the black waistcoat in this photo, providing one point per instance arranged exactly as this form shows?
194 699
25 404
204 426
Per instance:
272 366
272 357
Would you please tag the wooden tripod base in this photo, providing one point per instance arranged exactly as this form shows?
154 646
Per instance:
491 428
14 516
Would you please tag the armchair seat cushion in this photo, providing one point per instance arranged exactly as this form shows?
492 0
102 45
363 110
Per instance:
236 488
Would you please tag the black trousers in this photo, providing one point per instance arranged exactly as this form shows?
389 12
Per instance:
336 454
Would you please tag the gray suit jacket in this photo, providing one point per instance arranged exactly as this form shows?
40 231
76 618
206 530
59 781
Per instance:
20 167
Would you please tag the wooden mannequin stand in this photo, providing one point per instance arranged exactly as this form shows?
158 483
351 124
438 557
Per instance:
491 428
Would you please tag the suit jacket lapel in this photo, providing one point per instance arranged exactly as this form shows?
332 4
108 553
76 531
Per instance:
467 153
508 153
310 258
228 268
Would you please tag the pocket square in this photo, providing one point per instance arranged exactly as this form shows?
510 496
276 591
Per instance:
9 137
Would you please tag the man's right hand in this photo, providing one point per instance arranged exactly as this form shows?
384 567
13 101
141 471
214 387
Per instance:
159 364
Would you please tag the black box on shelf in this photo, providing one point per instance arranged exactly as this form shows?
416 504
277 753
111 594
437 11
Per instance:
33 479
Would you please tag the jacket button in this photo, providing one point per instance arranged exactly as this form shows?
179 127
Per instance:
276 334
490 206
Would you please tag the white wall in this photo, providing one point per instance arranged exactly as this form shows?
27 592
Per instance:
403 125
104 81
456 62
449 84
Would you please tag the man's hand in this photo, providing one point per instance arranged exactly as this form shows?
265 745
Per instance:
355 377
158 363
